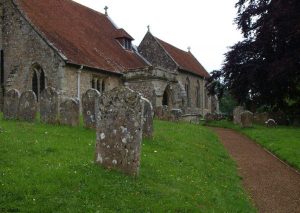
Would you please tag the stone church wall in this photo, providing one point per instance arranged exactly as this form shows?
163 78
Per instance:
23 47
155 54
70 82
203 108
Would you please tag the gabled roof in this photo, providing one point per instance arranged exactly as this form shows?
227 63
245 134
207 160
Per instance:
185 60
84 36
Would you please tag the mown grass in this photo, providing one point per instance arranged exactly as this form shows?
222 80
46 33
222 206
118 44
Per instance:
283 141
184 168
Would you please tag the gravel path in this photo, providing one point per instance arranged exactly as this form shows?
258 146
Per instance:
272 185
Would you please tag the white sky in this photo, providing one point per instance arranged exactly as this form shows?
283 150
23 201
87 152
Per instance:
204 25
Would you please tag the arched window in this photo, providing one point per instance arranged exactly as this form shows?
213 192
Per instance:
99 85
167 97
165 101
103 85
35 84
187 90
198 95
206 99
42 81
38 80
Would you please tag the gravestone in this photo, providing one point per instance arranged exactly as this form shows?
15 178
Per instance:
271 123
27 106
237 114
88 108
119 130
246 119
158 112
176 114
69 112
261 118
11 104
148 119
49 106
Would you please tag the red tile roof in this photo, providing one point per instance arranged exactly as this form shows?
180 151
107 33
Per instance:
84 36
185 60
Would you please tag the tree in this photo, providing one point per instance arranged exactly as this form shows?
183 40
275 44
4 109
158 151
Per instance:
264 68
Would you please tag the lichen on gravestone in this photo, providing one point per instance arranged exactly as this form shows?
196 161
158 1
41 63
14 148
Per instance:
49 106
119 130
88 108
11 104
27 106
69 112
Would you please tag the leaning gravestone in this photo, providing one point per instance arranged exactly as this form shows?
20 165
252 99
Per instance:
11 104
119 130
88 108
27 106
69 112
49 106
246 119
237 114
148 119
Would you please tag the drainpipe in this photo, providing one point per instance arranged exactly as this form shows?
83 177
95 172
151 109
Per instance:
78 82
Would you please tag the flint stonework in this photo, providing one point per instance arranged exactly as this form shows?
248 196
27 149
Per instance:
88 108
119 130
11 104
148 119
27 106
69 112
49 106
246 119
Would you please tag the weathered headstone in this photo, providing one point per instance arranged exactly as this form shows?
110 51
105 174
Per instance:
88 108
159 112
246 119
119 130
69 112
176 114
27 106
237 114
148 119
271 123
261 118
49 106
208 117
11 104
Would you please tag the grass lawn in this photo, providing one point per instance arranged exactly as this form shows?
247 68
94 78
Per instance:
283 141
47 168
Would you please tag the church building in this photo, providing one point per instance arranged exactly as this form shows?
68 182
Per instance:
70 47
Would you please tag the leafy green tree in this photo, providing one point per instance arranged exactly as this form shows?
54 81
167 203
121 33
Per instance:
264 68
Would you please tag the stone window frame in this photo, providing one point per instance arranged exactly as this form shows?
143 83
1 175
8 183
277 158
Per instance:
188 91
38 75
98 83
198 94
206 99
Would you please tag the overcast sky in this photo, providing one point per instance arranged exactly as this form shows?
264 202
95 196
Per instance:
204 25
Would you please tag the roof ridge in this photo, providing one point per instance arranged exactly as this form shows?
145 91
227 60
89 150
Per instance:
86 7
173 46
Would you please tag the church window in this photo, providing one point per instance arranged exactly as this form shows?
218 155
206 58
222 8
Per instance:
206 100
127 44
198 95
98 84
187 89
38 80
